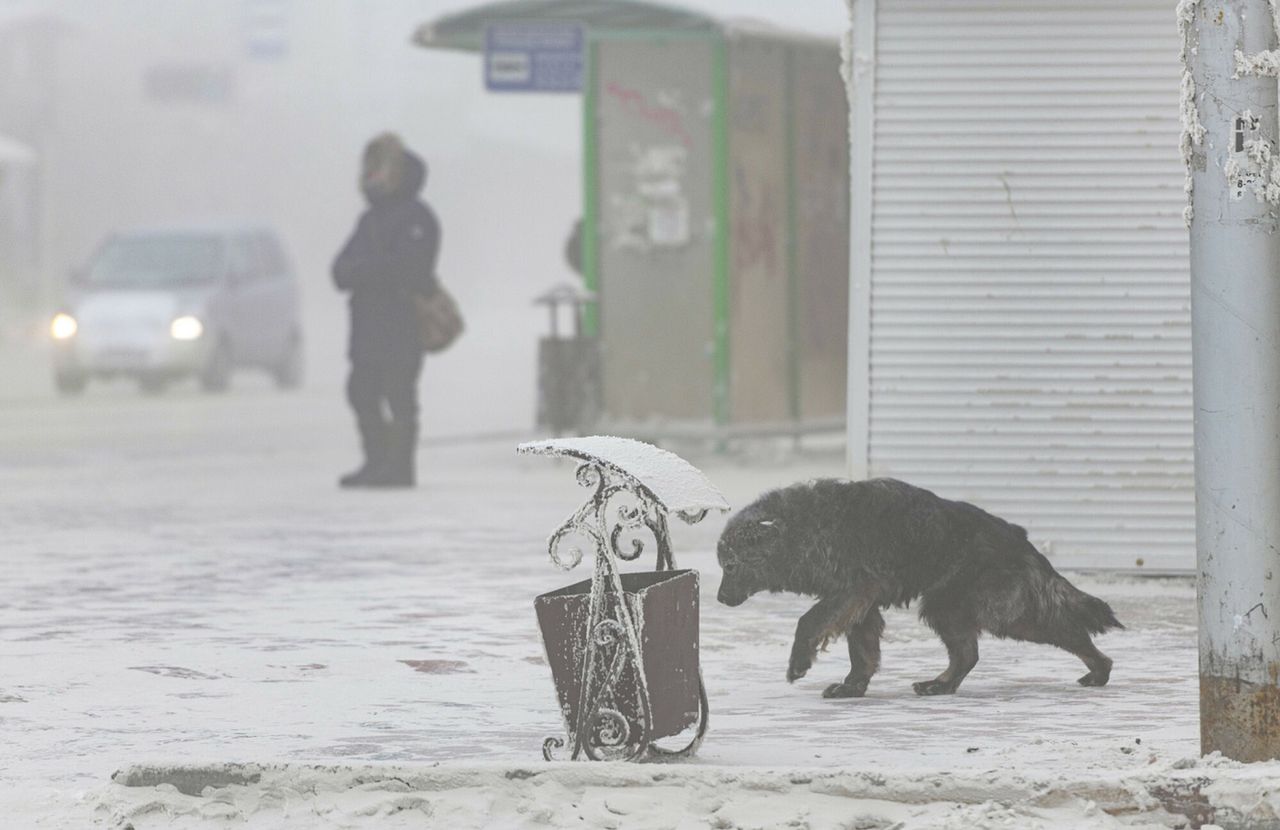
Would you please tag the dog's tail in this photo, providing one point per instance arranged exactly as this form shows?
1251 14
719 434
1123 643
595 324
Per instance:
1086 610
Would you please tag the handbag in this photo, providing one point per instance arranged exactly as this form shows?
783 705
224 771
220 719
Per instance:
439 321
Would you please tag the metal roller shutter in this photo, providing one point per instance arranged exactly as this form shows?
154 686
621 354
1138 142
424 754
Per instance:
1030 339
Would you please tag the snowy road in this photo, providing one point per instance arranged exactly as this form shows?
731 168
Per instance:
182 582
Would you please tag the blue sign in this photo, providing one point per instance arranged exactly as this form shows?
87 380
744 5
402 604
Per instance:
534 57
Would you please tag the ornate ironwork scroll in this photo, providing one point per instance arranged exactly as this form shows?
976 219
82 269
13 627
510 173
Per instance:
616 523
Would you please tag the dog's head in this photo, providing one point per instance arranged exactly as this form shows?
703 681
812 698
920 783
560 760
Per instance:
749 551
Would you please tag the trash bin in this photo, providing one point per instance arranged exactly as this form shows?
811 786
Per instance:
623 648
665 607
569 387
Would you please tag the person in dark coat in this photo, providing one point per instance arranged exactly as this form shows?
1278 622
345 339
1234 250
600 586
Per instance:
391 255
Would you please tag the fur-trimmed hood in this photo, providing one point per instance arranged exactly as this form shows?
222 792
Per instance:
389 170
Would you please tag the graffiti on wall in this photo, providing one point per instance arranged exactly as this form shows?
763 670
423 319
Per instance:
665 112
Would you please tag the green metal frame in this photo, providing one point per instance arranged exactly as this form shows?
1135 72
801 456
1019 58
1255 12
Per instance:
591 190
793 270
721 401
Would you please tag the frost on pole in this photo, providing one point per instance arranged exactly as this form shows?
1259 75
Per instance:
1229 116
1192 129
623 648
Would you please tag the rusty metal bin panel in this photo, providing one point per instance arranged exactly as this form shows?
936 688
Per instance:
665 607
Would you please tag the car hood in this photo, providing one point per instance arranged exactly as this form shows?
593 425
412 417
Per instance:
140 307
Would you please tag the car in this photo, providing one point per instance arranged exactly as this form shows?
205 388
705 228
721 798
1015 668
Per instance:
161 304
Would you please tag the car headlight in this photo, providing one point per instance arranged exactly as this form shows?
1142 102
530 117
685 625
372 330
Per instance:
63 327
186 328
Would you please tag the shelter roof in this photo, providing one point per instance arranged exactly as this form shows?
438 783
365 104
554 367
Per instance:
465 29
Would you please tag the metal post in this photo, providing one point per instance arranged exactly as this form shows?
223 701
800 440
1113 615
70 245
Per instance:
859 78
793 252
1235 306
591 185
721 393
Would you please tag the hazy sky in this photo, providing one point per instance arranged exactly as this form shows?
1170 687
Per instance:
813 15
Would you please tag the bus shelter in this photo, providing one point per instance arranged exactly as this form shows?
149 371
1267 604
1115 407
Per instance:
715 208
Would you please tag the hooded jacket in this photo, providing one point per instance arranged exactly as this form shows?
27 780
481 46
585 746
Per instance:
391 254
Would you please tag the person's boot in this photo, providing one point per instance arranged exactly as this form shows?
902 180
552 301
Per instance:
373 441
398 469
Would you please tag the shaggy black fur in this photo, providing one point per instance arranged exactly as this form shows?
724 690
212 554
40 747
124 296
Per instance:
863 546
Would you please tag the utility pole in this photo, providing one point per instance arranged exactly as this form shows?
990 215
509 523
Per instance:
1229 115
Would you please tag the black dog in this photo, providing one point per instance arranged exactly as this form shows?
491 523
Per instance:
862 546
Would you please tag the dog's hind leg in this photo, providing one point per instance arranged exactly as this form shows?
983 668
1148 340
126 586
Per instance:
962 655
1073 640
1081 645
1099 664
863 639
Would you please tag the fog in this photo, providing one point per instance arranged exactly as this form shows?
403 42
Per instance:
221 544
276 137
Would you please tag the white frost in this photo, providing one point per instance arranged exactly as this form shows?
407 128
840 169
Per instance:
1232 170
1266 63
1259 151
846 51
1192 129
1263 64
1262 174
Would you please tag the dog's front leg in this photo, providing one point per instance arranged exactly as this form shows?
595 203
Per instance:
826 619
805 647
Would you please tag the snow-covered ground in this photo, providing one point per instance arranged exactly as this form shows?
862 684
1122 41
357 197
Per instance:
182 583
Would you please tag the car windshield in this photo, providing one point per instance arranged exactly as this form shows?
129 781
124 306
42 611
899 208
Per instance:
157 260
